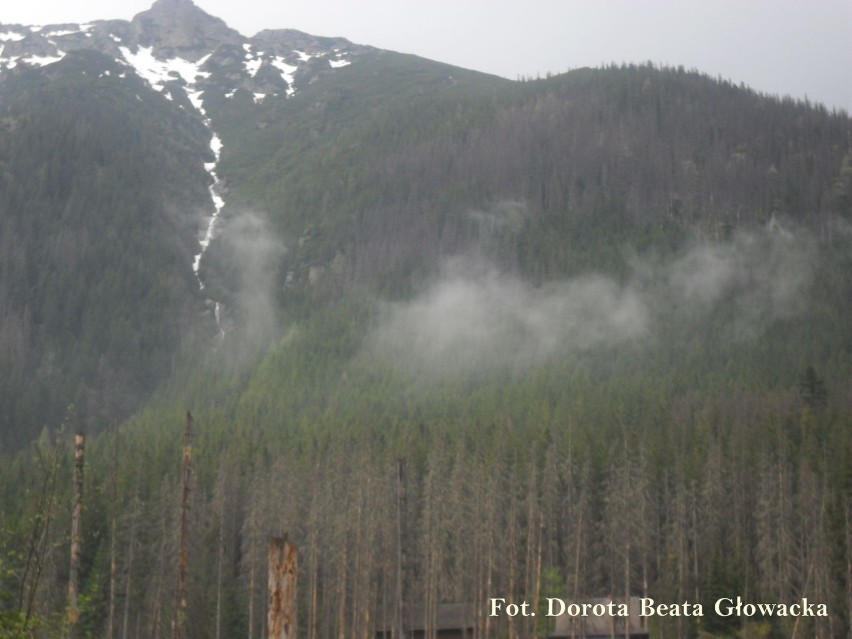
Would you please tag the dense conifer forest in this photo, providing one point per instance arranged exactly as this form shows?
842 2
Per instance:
580 336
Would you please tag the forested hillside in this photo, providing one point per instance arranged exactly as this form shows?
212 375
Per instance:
609 155
581 336
99 201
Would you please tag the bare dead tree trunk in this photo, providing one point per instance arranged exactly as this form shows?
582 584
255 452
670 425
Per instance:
283 560
483 621
76 536
682 549
113 566
848 529
529 567
356 577
400 528
251 601
183 561
156 617
312 630
220 560
158 597
252 551
342 576
512 562
128 580
537 588
39 534
626 585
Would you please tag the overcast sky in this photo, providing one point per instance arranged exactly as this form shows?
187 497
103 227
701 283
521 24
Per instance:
786 47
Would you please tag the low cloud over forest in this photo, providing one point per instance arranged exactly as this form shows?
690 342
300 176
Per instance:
473 318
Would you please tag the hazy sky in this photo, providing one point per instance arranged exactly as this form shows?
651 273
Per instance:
785 47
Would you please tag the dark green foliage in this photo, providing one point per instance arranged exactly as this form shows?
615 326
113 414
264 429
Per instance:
725 577
102 186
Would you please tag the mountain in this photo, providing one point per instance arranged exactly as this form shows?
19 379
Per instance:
461 337
170 44
111 188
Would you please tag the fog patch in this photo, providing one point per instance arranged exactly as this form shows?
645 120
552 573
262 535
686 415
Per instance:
477 319
763 276
244 262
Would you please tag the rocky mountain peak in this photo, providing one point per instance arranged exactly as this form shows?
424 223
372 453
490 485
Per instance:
179 28
172 5
181 50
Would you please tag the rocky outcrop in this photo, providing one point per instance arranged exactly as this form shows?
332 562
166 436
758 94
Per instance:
178 28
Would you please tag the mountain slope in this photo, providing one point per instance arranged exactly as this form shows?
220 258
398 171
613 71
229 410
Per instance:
101 193
571 337
365 170
614 156
110 150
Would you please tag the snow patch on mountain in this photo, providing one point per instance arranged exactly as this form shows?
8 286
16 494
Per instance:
11 36
58 33
43 60
158 72
288 72
252 65
32 60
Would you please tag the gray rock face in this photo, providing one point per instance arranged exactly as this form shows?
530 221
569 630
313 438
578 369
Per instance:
178 28
282 41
